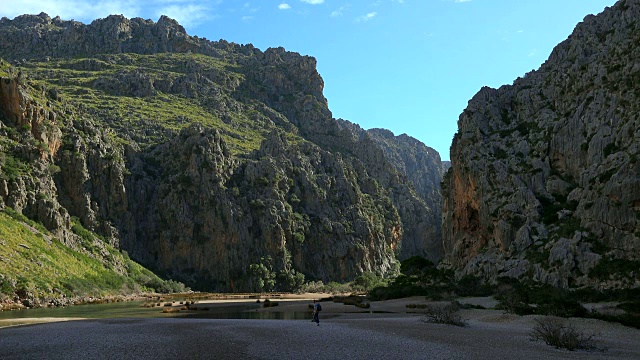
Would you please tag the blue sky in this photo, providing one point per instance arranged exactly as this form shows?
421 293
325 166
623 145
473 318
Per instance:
409 66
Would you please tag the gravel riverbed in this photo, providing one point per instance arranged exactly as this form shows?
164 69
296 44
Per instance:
357 336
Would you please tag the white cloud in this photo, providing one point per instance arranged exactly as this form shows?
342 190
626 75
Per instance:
462 1
366 17
84 10
339 11
284 6
186 12
247 18
187 15
313 2
533 52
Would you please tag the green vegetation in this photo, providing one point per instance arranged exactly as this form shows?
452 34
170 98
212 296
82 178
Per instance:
146 97
525 298
4 68
12 167
418 276
355 300
263 278
34 264
615 268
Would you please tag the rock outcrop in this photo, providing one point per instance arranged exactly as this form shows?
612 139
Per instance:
544 180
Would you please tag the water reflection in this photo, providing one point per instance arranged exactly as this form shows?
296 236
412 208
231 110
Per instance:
134 309
279 315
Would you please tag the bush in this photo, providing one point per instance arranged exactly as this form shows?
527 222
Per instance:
337 288
627 319
268 303
470 285
414 265
516 298
631 307
312 287
562 334
368 281
512 300
447 314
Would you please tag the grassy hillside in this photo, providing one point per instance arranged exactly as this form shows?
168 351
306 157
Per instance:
34 264
145 96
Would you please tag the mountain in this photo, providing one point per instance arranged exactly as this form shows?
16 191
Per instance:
423 169
209 162
544 181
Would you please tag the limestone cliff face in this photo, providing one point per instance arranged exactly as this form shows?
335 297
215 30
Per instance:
544 180
37 140
208 217
421 167
215 163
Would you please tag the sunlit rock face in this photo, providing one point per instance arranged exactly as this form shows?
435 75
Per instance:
544 180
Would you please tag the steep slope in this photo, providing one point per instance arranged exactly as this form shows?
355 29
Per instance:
54 260
422 168
38 270
212 162
544 181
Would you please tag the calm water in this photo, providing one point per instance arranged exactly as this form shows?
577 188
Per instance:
133 309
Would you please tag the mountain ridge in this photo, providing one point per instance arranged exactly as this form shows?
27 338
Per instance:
217 164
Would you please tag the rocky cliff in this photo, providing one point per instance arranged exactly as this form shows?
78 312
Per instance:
215 163
421 166
544 180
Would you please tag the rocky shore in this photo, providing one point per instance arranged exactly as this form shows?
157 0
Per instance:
34 303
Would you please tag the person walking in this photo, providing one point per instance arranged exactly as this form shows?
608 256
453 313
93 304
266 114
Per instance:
316 309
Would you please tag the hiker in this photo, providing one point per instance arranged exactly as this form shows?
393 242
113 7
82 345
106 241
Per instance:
316 309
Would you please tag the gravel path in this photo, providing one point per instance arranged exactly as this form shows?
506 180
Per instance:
357 336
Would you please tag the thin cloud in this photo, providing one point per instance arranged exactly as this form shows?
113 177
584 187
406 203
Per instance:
284 6
366 17
462 1
313 2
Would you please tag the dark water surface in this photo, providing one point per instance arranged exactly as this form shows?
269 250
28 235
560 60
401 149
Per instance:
134 309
